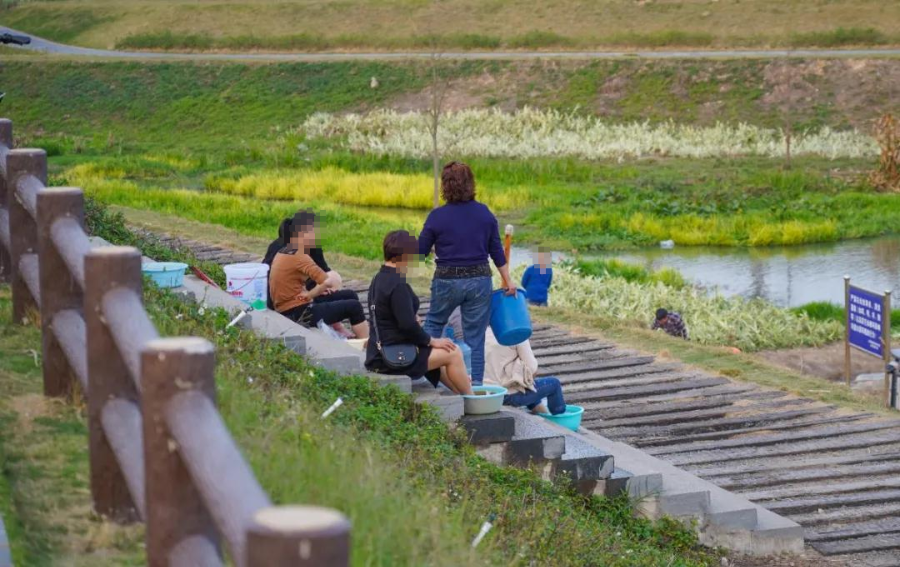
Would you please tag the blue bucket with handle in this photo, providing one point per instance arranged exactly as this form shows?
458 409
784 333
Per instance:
510 320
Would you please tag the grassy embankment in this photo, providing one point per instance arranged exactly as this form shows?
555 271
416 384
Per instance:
231 128
414 491
458 24
115 129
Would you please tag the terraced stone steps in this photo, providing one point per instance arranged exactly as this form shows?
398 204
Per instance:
726 433
788 448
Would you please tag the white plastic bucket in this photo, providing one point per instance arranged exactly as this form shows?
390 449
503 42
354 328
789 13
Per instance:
248 282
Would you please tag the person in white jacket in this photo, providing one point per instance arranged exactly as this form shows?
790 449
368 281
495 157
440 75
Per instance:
514 368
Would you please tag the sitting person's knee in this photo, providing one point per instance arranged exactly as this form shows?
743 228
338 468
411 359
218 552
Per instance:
357 315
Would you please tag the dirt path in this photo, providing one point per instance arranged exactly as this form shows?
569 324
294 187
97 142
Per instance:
46 46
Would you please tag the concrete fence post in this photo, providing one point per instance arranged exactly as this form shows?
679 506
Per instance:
298 536
176 513
59 290
22 226
108 376
6 140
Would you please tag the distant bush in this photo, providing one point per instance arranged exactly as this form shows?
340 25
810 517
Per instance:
826 311
839 37
630 272
712 319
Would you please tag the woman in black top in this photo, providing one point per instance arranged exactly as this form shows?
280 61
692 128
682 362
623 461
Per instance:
396 306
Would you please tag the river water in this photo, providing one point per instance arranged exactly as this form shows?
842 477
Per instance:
787 276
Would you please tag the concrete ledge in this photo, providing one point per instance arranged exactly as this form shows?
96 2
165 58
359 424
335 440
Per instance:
492 428
401 382
534 441
448 404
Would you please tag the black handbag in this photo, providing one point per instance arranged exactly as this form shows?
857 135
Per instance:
396 357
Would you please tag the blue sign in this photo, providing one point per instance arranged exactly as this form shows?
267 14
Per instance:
865 320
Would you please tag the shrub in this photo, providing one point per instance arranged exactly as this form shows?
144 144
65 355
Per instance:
531 133
712 319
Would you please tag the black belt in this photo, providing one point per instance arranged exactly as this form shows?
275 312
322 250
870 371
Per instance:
460 272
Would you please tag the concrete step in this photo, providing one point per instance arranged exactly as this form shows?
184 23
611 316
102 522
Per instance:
880 542
617 483
492 428
800 423
583 461
578 366
725 518
858 529
843 516
534 443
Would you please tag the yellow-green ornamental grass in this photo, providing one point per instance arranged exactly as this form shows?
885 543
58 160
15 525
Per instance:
379 189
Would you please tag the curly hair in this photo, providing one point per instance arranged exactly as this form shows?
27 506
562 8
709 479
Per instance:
457 183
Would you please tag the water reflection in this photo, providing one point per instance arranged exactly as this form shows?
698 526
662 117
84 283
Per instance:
788 276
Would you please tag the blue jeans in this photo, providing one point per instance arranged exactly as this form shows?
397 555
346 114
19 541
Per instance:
473 297
545 388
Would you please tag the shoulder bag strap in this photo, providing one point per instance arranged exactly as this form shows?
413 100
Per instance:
372 311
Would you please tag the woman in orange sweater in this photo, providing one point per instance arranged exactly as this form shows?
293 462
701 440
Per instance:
293 267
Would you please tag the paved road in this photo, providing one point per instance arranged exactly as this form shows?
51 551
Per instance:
46 46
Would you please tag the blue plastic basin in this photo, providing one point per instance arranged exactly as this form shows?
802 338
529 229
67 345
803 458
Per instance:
165 274
510 320
570 419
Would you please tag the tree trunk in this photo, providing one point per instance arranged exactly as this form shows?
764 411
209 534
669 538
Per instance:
435 157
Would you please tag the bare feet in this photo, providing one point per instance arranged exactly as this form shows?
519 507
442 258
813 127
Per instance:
540 408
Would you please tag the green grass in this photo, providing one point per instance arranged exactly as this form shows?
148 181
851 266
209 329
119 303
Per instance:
148 128
841 37
44 491
563 204
630 272
825 311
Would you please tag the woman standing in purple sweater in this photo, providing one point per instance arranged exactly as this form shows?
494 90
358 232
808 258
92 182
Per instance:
463 233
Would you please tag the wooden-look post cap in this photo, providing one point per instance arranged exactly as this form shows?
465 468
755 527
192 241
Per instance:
68 191
106 251
301 520
186 345
298 536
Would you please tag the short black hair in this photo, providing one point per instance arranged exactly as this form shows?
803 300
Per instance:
661 314
399 242
302 220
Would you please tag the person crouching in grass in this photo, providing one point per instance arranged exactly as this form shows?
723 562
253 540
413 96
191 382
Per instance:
293 267
671 323
538 278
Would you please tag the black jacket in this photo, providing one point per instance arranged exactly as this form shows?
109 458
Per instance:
396 306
